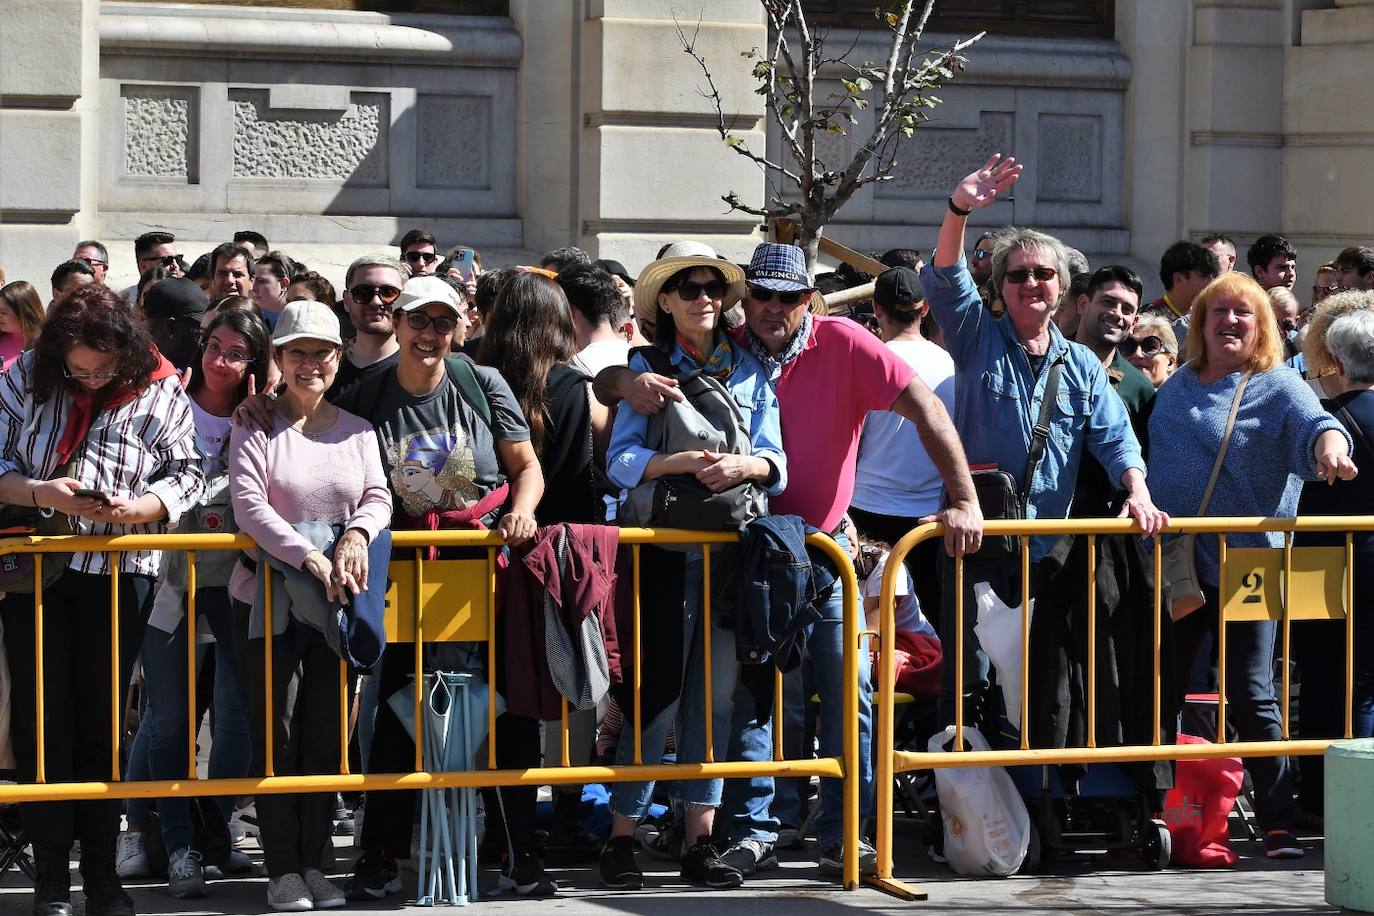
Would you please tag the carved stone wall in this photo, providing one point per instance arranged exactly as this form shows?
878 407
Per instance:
321 127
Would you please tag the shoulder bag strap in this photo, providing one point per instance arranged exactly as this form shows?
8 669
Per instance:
1040 434
464 378
1356 429
1225 441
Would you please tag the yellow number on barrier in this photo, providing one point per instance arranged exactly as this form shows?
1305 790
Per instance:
1253 589
455 601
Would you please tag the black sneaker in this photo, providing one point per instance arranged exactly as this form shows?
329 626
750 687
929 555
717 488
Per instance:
107 898
702 864
526 876
374 877
619 871
1282 844
667 840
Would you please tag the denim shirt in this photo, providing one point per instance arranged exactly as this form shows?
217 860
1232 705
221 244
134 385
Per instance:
997 399
628 453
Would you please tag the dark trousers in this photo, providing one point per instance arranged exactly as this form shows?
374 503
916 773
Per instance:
76 699
923 561
295 827
1252 707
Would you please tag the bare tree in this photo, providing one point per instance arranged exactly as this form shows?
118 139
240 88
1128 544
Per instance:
898 89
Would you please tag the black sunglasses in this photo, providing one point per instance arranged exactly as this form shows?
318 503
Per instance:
981 254
166 260
759 294
442 326
1019 275
1149 346
363 293
94 262
690 290
415 257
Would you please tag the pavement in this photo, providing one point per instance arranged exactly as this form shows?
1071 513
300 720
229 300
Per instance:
1083 886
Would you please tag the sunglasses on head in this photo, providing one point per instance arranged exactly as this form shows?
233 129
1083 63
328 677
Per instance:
1019 275
416 257
1149 346
759 294
442 326
363 293
690 290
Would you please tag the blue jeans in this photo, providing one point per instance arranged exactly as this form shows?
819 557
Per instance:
688 712
163 728
825 648
758 806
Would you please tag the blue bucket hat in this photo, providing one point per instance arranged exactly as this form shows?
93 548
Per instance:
778 267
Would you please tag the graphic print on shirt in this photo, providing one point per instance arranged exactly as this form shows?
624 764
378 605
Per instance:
433 469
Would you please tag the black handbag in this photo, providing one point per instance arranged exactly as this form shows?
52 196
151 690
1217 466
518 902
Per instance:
998 496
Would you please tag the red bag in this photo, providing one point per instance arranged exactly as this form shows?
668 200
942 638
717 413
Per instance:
917 663
1198 807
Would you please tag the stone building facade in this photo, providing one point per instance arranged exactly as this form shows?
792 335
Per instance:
523 125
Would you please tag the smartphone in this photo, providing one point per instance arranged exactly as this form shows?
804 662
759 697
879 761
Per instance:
93 494
462 262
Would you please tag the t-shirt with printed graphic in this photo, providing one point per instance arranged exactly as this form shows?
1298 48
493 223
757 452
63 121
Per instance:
437 453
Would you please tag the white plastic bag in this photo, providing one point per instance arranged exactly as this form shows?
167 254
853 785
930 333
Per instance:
987 827
999 634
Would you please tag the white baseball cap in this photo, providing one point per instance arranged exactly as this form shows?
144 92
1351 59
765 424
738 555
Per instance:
421 291
307 319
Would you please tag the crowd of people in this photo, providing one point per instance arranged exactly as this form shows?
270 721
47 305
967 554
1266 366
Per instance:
553 402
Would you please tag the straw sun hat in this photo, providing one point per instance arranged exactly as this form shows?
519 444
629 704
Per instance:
680 256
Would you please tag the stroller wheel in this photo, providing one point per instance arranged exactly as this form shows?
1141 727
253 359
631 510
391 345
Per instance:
1159 846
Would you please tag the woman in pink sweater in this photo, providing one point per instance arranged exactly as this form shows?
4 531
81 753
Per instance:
316 464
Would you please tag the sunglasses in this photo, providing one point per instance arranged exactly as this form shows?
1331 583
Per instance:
981 254
1042 274
95 262
166 260
363 293
759 294
418 257
1149 346
442 326
690 291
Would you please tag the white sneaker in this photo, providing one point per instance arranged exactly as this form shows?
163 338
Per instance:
324 892
246 818
130 859
288 894
185 876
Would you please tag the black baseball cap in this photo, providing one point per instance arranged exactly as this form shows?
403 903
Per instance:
897 287
615 268
174 297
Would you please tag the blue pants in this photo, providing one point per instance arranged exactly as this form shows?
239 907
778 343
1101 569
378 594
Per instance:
162 731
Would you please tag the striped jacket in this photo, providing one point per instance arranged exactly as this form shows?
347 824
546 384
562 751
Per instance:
147 445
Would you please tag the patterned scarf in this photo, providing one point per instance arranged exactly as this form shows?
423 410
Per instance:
720 363
773 364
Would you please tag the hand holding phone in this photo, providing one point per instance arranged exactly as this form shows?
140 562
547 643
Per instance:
100 495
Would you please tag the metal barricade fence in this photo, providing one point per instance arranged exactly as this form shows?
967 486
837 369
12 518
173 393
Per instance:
1282 584
473 618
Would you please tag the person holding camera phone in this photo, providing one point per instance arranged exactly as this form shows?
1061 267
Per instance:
93 424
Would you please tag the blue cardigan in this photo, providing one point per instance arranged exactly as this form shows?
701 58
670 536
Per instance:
1270 454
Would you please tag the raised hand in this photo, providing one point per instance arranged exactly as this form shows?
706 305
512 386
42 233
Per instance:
979 189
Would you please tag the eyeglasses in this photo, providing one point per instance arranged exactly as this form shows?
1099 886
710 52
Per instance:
442 326
759 294
94 262
1149 346
981 254
1042 274
363 293
213 351
88 376
322 357
418 257
691 291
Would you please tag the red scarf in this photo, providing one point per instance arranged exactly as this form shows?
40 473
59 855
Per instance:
86 404
470 518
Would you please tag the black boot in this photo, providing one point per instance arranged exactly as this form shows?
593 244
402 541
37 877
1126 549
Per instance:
52 891
105 894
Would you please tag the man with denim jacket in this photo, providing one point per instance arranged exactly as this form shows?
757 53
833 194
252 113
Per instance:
828 373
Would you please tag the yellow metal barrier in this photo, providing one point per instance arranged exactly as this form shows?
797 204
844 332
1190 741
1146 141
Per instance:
1282 584
449 600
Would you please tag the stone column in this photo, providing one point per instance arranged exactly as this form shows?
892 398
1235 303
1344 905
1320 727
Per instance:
49 80
651 167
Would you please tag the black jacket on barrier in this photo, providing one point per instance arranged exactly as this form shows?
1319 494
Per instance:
1125 664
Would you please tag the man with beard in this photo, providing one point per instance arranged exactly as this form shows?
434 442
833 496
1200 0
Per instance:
371 287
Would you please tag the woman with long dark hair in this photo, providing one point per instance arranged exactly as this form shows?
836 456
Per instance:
93 407
230 366
21 318
529 340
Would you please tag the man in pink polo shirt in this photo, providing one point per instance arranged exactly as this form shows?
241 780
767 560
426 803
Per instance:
828 373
